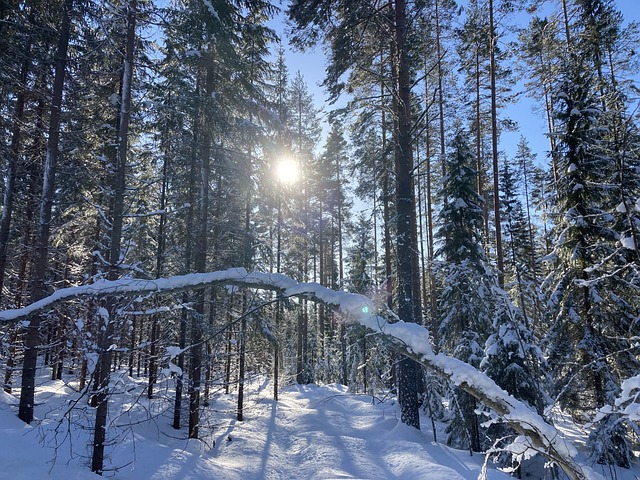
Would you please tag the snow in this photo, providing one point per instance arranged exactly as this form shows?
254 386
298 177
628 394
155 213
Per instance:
628 242
348 303
459 204
212 10
312 432
173 352
409 336
629 396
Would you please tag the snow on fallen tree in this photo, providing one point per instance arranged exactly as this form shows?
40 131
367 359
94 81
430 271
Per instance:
408 338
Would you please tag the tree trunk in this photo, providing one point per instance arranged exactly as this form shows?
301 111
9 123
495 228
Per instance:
12 163
408 305
276 346
433 307
25 257
479 160
117 217
565 17
242 347
155 327
440 91
386 218
494 148
153 353
39 153
343 330
229 346
177 402
421 240
38 290
182 339
241 361
11 359
200 261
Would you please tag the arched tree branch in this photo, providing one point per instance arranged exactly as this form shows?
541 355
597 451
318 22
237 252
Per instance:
409 339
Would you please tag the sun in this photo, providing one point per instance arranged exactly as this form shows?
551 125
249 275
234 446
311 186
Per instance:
287 171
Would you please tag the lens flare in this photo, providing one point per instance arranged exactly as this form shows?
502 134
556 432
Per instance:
287 171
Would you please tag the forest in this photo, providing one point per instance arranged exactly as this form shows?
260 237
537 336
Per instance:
177 209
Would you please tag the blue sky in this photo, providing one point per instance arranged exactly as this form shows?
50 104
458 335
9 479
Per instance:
532 125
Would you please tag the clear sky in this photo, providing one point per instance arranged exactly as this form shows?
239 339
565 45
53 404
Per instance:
532 125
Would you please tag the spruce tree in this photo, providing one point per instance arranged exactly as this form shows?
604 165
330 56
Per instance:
466 301
512 356
588 290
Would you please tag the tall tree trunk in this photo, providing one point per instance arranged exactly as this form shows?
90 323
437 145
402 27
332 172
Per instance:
247 261
12 163
117 220
550 114
155 327
188 251
25 257
200 263
494 147
565 17
386 212
276 346
322 312
242 347
433 307
479 159
343 330
421 242
443 161
38 288
39 153
408 305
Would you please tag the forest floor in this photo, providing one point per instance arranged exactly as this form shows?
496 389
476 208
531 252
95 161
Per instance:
312 432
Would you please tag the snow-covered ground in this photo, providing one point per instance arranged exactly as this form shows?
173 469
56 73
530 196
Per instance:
312 432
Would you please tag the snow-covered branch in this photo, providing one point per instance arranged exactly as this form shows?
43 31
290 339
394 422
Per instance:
413 341
347 303
408 338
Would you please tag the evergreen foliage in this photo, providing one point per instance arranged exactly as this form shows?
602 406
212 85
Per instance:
141 139
466 303
589 289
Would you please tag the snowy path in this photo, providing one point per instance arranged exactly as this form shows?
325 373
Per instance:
315 433
311 433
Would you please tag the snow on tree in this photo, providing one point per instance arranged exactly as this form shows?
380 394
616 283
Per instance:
590 288
466 304
411 339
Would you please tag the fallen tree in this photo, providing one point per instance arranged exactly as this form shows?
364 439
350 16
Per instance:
409 339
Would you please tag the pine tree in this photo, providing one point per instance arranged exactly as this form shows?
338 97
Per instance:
350 18
539 60
115 254
360 260
520 258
